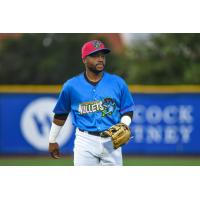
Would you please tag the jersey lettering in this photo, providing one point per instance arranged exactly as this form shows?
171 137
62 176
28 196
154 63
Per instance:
107 107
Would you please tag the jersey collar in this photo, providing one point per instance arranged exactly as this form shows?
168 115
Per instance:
91 82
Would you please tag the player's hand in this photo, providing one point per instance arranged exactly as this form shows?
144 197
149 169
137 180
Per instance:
54 150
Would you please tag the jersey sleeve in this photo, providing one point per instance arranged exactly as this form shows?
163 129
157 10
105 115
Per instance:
63 105
127 103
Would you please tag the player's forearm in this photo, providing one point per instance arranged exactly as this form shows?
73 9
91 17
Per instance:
56 126
54 132
127 118
59 122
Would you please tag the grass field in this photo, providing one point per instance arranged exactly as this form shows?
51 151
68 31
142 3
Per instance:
128 161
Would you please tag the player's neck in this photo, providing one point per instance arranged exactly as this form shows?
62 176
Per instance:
93 77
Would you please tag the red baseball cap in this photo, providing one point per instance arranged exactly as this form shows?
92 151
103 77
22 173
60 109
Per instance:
93 47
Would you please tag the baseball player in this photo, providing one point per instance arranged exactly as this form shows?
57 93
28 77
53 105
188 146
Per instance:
101 107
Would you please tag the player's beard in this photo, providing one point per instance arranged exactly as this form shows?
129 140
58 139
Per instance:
95 69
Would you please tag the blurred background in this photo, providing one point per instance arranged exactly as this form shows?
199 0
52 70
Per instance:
163 74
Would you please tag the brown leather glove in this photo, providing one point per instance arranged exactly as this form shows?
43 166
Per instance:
54 150
120 134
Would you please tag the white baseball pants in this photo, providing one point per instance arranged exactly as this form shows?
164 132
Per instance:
91 150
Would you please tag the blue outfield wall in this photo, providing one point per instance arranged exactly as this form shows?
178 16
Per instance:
163 124
166 124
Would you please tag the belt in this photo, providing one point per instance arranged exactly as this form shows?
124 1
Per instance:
95 133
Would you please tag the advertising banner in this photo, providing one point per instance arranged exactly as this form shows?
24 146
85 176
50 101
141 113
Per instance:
165 123
162 124
25 124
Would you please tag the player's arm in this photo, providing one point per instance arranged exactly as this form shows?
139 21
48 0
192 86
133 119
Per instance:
126 118
57 124
127 104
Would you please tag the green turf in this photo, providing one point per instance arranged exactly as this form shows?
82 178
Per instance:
128 161
162 161
36 161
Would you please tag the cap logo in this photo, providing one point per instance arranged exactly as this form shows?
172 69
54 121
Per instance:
96 44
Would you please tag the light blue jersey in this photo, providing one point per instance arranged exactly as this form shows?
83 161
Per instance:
95 107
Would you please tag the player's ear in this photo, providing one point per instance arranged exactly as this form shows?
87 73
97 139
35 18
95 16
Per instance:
84 60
